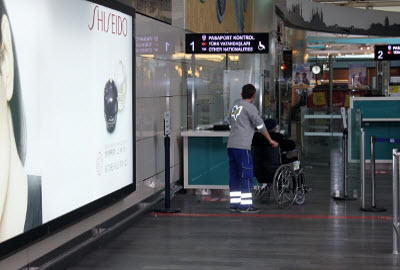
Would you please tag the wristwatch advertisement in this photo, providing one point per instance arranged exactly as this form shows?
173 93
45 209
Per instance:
66 112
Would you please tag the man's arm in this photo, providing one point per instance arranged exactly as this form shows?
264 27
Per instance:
271 141
259 123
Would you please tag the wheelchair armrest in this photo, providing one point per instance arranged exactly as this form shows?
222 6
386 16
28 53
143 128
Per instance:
292 151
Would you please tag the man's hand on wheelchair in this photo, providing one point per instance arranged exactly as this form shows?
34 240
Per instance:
273 143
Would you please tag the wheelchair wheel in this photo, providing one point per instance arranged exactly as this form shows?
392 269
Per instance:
300 196
266 194
262 192
257 189
284 186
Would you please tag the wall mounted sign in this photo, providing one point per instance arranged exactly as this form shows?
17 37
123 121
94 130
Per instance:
155 44
387 52
227 43
167 123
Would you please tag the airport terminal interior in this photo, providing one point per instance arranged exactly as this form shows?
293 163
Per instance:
115 117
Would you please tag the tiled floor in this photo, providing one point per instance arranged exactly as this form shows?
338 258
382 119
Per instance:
321 234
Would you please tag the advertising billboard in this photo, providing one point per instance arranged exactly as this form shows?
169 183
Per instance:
66 112
358 77
301 75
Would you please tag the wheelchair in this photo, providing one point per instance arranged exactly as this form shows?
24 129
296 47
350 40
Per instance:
285 180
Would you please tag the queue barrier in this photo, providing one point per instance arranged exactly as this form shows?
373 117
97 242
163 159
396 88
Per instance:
373 141
167 152
345 195
396 223
387 140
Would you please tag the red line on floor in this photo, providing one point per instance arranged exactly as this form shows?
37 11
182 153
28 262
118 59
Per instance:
287 216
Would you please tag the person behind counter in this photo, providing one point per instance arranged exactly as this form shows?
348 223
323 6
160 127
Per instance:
285 144
244 119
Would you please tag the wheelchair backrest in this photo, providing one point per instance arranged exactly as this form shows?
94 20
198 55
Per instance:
266 160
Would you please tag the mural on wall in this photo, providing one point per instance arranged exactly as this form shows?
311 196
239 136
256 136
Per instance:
158 9
221 6
234 16
325 17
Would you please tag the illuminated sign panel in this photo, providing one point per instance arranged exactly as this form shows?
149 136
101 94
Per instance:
227 43
154 44
67 113
387 52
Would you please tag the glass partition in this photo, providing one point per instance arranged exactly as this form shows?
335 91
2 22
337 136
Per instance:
321 132
215 83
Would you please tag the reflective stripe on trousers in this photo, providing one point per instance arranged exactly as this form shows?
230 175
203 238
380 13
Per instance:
246 199
235 197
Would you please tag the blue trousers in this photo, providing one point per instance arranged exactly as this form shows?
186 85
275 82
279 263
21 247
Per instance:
240 177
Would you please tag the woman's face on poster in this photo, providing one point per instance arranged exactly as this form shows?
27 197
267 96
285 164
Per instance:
6 92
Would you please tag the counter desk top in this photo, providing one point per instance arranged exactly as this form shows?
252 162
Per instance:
205 133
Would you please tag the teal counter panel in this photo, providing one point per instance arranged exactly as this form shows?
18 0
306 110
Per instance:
375 109
378 108
208 162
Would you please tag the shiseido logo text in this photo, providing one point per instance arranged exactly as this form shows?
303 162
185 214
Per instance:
108 22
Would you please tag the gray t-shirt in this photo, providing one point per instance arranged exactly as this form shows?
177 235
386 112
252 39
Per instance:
244 119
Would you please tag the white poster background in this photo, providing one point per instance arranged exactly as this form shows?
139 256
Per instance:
63 67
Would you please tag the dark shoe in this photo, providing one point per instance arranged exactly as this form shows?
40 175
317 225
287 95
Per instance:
234 208
250 210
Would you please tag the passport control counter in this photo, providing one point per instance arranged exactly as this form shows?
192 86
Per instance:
206 163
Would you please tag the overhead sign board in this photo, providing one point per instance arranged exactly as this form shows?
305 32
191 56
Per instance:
227 43
387 52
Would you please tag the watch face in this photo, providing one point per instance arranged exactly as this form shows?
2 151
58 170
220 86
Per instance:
110 105
316 69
